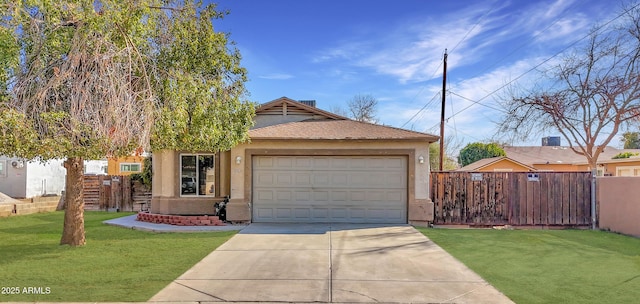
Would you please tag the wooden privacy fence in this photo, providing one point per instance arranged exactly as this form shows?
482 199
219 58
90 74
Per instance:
114 192
512 198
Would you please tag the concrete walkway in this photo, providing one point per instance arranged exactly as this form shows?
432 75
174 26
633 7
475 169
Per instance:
335 263
130 222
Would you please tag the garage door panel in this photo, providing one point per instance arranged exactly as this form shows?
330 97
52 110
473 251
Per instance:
339 196
283 180
283 213
339 213
321 196
340 179
303 179
321 179
264 162
302 196
264 195
284 195
284 162
265 179
320 213
358 196
302 213
303 163
330 189
264 212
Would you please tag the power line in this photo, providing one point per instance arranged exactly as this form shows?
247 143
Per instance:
424 107
476 102
545 61
527 41
441 62
473 27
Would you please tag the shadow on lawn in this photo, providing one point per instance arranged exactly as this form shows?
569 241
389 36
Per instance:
12 253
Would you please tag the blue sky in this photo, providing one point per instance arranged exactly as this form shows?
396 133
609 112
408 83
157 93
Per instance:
332 50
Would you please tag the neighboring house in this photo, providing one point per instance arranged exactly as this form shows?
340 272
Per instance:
26 179
497 164
553 157
126 165
619 167
303 164
96 167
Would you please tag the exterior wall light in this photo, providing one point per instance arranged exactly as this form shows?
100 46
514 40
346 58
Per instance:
238 159
421 159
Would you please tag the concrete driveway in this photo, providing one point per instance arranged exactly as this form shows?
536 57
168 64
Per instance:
335 263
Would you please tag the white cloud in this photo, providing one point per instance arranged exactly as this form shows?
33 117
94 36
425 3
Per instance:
276 76
412 52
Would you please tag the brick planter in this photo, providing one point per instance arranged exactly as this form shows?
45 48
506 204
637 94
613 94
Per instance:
180 220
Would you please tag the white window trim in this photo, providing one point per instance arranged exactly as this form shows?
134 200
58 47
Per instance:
3 168
632 168
130 164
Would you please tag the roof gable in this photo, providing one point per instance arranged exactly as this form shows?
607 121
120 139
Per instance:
285 106
486 162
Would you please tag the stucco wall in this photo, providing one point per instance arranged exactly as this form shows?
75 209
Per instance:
560 167
619 204
237 176
114 164
45 178
32 179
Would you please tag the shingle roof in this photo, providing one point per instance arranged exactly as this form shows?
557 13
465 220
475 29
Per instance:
531 155
336 129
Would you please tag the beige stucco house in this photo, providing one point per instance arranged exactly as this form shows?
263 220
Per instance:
303 164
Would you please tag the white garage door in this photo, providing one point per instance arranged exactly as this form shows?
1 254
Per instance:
345 189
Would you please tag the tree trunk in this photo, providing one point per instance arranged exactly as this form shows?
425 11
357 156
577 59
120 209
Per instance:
73 230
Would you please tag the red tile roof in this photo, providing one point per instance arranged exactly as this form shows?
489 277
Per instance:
336 129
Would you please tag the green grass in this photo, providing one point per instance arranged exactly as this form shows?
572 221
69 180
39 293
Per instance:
549 266
116 264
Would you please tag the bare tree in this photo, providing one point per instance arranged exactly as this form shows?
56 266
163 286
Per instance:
336 109
591 93
363 108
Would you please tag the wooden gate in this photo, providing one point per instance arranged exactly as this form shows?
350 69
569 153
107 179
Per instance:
513 198
113 192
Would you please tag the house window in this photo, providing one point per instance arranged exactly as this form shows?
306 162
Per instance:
130 167
197 174
628 171
3 170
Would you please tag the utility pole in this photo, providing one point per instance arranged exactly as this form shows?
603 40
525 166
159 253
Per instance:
444 90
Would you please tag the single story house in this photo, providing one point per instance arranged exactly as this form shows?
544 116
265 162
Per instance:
497 164
125 165
303 164
20 178
557 159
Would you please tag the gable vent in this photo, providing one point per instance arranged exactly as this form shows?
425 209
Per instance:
311 103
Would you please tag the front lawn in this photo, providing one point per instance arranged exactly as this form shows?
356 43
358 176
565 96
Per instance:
117 264
549 266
